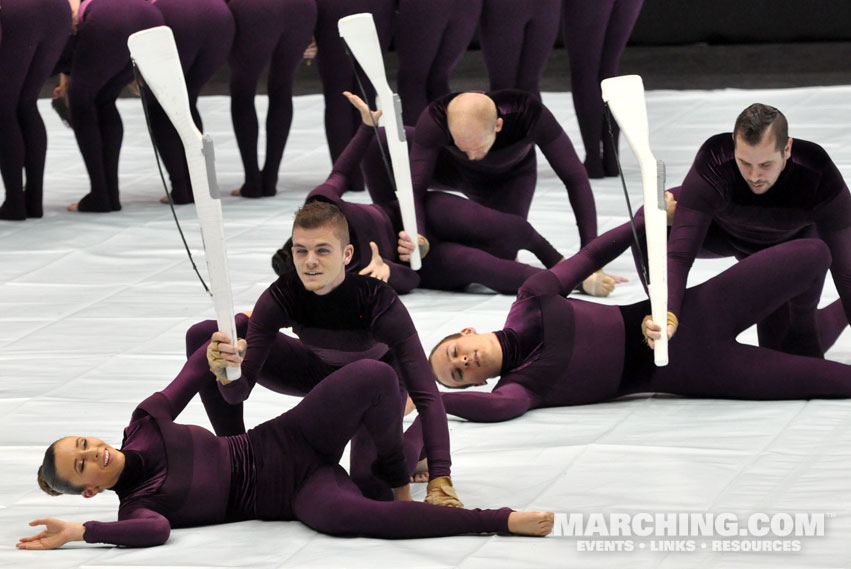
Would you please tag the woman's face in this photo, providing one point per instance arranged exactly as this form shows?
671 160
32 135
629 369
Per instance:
88 462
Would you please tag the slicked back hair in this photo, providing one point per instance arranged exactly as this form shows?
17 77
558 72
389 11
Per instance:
431 353
753 122
320 214
49 480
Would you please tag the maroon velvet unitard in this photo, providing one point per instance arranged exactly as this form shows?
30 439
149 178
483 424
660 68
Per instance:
100 69
595 35
431 37
471 243
360 319
203 31
33 35
559 351
335 68
517 37
717 211
504 179
273 33
182 475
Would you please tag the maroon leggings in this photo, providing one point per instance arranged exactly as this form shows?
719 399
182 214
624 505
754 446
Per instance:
595 34
517 37
273 33
431 38
336 72
100 69
34 33
293 369
203 32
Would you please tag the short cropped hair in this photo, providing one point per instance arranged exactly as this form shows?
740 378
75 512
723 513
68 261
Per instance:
48 479
319 214
754 121
431 353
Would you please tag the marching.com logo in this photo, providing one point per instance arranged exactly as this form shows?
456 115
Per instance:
690 531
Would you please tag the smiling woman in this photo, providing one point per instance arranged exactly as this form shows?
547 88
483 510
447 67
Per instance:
171 475
86 465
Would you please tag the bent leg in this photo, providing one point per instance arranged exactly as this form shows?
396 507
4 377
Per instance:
330 502
450 266
363 394
458 220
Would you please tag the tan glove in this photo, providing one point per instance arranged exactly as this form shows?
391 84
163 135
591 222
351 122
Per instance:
441 493
217 363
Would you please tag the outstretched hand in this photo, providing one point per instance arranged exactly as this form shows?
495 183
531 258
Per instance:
376 268
56 534
222 354
406 246
369 118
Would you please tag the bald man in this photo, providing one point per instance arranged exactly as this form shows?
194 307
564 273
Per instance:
483 145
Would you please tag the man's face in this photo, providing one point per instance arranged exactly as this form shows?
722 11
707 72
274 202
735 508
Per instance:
320 258
761 164
467 360
474 138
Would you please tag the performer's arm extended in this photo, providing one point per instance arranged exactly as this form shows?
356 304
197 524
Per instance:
136 527
559 152
395 328
567 275
502 404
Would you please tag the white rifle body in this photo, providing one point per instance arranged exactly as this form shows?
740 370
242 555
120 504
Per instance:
625 97
358 31
155 54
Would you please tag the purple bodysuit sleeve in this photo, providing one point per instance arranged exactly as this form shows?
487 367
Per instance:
395 328
429 139
687 235
136 527
350 159
567 275
559 152
839 243
403 278
266 320
698 201
502 404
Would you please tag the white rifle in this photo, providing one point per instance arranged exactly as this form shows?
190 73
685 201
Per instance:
358 31
625 97
155 54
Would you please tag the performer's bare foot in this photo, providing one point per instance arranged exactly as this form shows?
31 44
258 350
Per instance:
402 494
531 523
74 206
421 472
237 192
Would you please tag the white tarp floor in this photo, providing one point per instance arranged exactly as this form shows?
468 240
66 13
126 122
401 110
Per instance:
93 309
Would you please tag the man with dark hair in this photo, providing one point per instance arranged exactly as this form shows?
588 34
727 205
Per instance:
339 318
752 190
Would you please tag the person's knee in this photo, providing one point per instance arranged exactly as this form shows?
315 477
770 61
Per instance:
199 334
378 375
815 252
